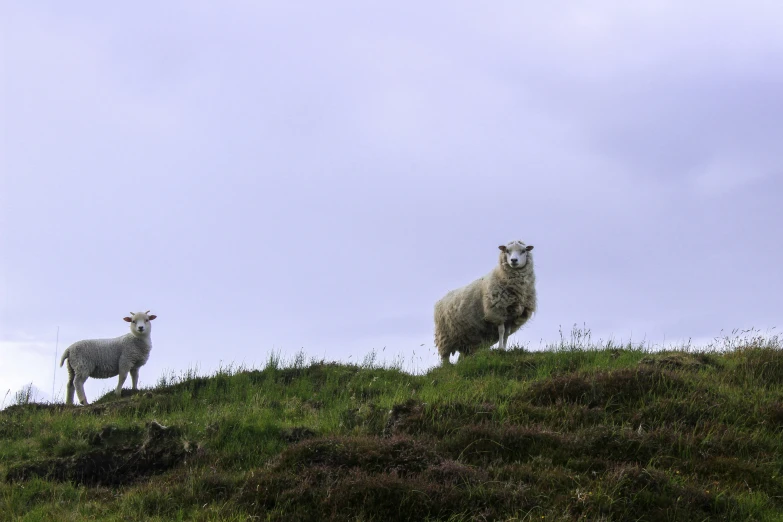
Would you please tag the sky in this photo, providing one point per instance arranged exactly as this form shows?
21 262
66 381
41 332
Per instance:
270 177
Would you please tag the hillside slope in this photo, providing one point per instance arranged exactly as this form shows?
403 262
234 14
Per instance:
571 433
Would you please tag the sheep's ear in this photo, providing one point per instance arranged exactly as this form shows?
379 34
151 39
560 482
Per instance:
153 317
529 248
127 319
502 248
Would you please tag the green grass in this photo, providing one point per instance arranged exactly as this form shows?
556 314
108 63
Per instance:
576 432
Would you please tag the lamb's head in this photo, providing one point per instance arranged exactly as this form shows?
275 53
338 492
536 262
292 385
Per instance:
140 324
515 254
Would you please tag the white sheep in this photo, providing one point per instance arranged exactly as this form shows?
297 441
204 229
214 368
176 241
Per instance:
489 309
104 358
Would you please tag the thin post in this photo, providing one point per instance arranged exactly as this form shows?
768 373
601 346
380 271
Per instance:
54 373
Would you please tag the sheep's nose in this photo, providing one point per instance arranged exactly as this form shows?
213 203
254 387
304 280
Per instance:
513 261
141 328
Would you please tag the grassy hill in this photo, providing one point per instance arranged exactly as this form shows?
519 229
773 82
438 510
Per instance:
575 432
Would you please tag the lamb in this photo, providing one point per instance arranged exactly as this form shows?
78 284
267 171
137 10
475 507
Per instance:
489 309
104 358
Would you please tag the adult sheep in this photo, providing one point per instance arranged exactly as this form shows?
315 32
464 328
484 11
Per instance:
489 309
104 358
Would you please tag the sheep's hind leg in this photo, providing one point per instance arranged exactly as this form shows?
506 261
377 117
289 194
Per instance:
502 337
120 382
69 389
134 377
69 393
78 383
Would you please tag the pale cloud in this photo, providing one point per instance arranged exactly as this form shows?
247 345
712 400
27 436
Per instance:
68 66
25 362
723 176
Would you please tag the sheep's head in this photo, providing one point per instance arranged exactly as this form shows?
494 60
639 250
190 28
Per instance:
514 254
140 322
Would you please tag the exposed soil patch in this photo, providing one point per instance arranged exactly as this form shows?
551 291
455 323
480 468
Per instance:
112 436
120 457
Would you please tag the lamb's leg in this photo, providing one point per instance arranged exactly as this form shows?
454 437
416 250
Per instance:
69 387
508 334
444 358
134 377
78 383
69 393
502 336
121 381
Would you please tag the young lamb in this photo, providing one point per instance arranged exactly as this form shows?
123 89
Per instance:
489 309
104 358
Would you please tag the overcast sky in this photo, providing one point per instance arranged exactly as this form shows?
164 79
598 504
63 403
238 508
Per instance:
273 176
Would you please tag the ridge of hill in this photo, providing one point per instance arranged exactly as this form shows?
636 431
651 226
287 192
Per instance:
575 432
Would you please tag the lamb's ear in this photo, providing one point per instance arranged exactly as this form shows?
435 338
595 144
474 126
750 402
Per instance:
502 248
529 248
153 317
127 319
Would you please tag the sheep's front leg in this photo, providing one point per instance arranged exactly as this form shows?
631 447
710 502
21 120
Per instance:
134 377
508 334
121 381
502 336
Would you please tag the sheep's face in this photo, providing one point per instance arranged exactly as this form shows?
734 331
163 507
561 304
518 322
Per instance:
140 322
515 254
